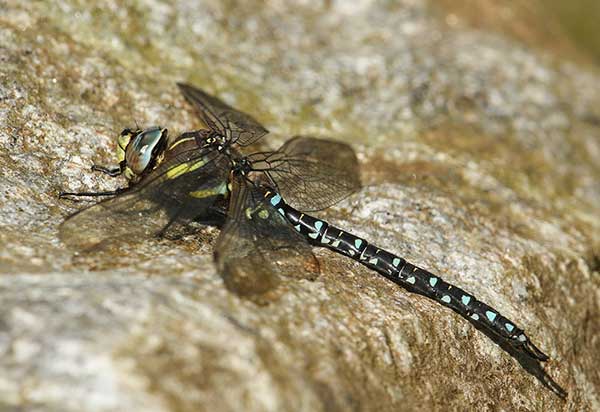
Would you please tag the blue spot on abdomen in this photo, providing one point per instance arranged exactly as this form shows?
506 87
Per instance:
275 200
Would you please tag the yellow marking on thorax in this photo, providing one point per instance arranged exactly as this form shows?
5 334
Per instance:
262 213
187 139
219 190
184 168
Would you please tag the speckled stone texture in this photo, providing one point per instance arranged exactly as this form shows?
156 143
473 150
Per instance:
479 158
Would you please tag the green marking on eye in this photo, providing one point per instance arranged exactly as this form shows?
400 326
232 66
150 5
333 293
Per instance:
122 142
120 154
490 315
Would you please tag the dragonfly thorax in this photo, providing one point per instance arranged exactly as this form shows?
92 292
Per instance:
216 141
241 166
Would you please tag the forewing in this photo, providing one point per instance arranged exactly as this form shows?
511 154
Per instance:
257 247
179 190
238 127
311 174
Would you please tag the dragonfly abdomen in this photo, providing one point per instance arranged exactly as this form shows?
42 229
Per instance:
405 274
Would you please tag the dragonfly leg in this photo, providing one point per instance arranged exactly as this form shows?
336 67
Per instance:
111 171
62 195
172 220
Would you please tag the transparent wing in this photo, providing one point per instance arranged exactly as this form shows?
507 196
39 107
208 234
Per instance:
257 247
182 188
237 127
311 174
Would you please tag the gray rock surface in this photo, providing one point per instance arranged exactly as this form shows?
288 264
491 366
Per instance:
480 163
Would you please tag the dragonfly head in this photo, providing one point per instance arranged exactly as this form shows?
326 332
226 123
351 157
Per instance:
140 149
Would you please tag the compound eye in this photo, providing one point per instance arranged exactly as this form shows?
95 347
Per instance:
144 148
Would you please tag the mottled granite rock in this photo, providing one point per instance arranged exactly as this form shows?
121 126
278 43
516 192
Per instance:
480 163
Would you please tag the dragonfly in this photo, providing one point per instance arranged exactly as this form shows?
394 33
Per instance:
264 200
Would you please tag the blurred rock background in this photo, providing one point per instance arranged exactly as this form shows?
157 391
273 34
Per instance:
477 124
